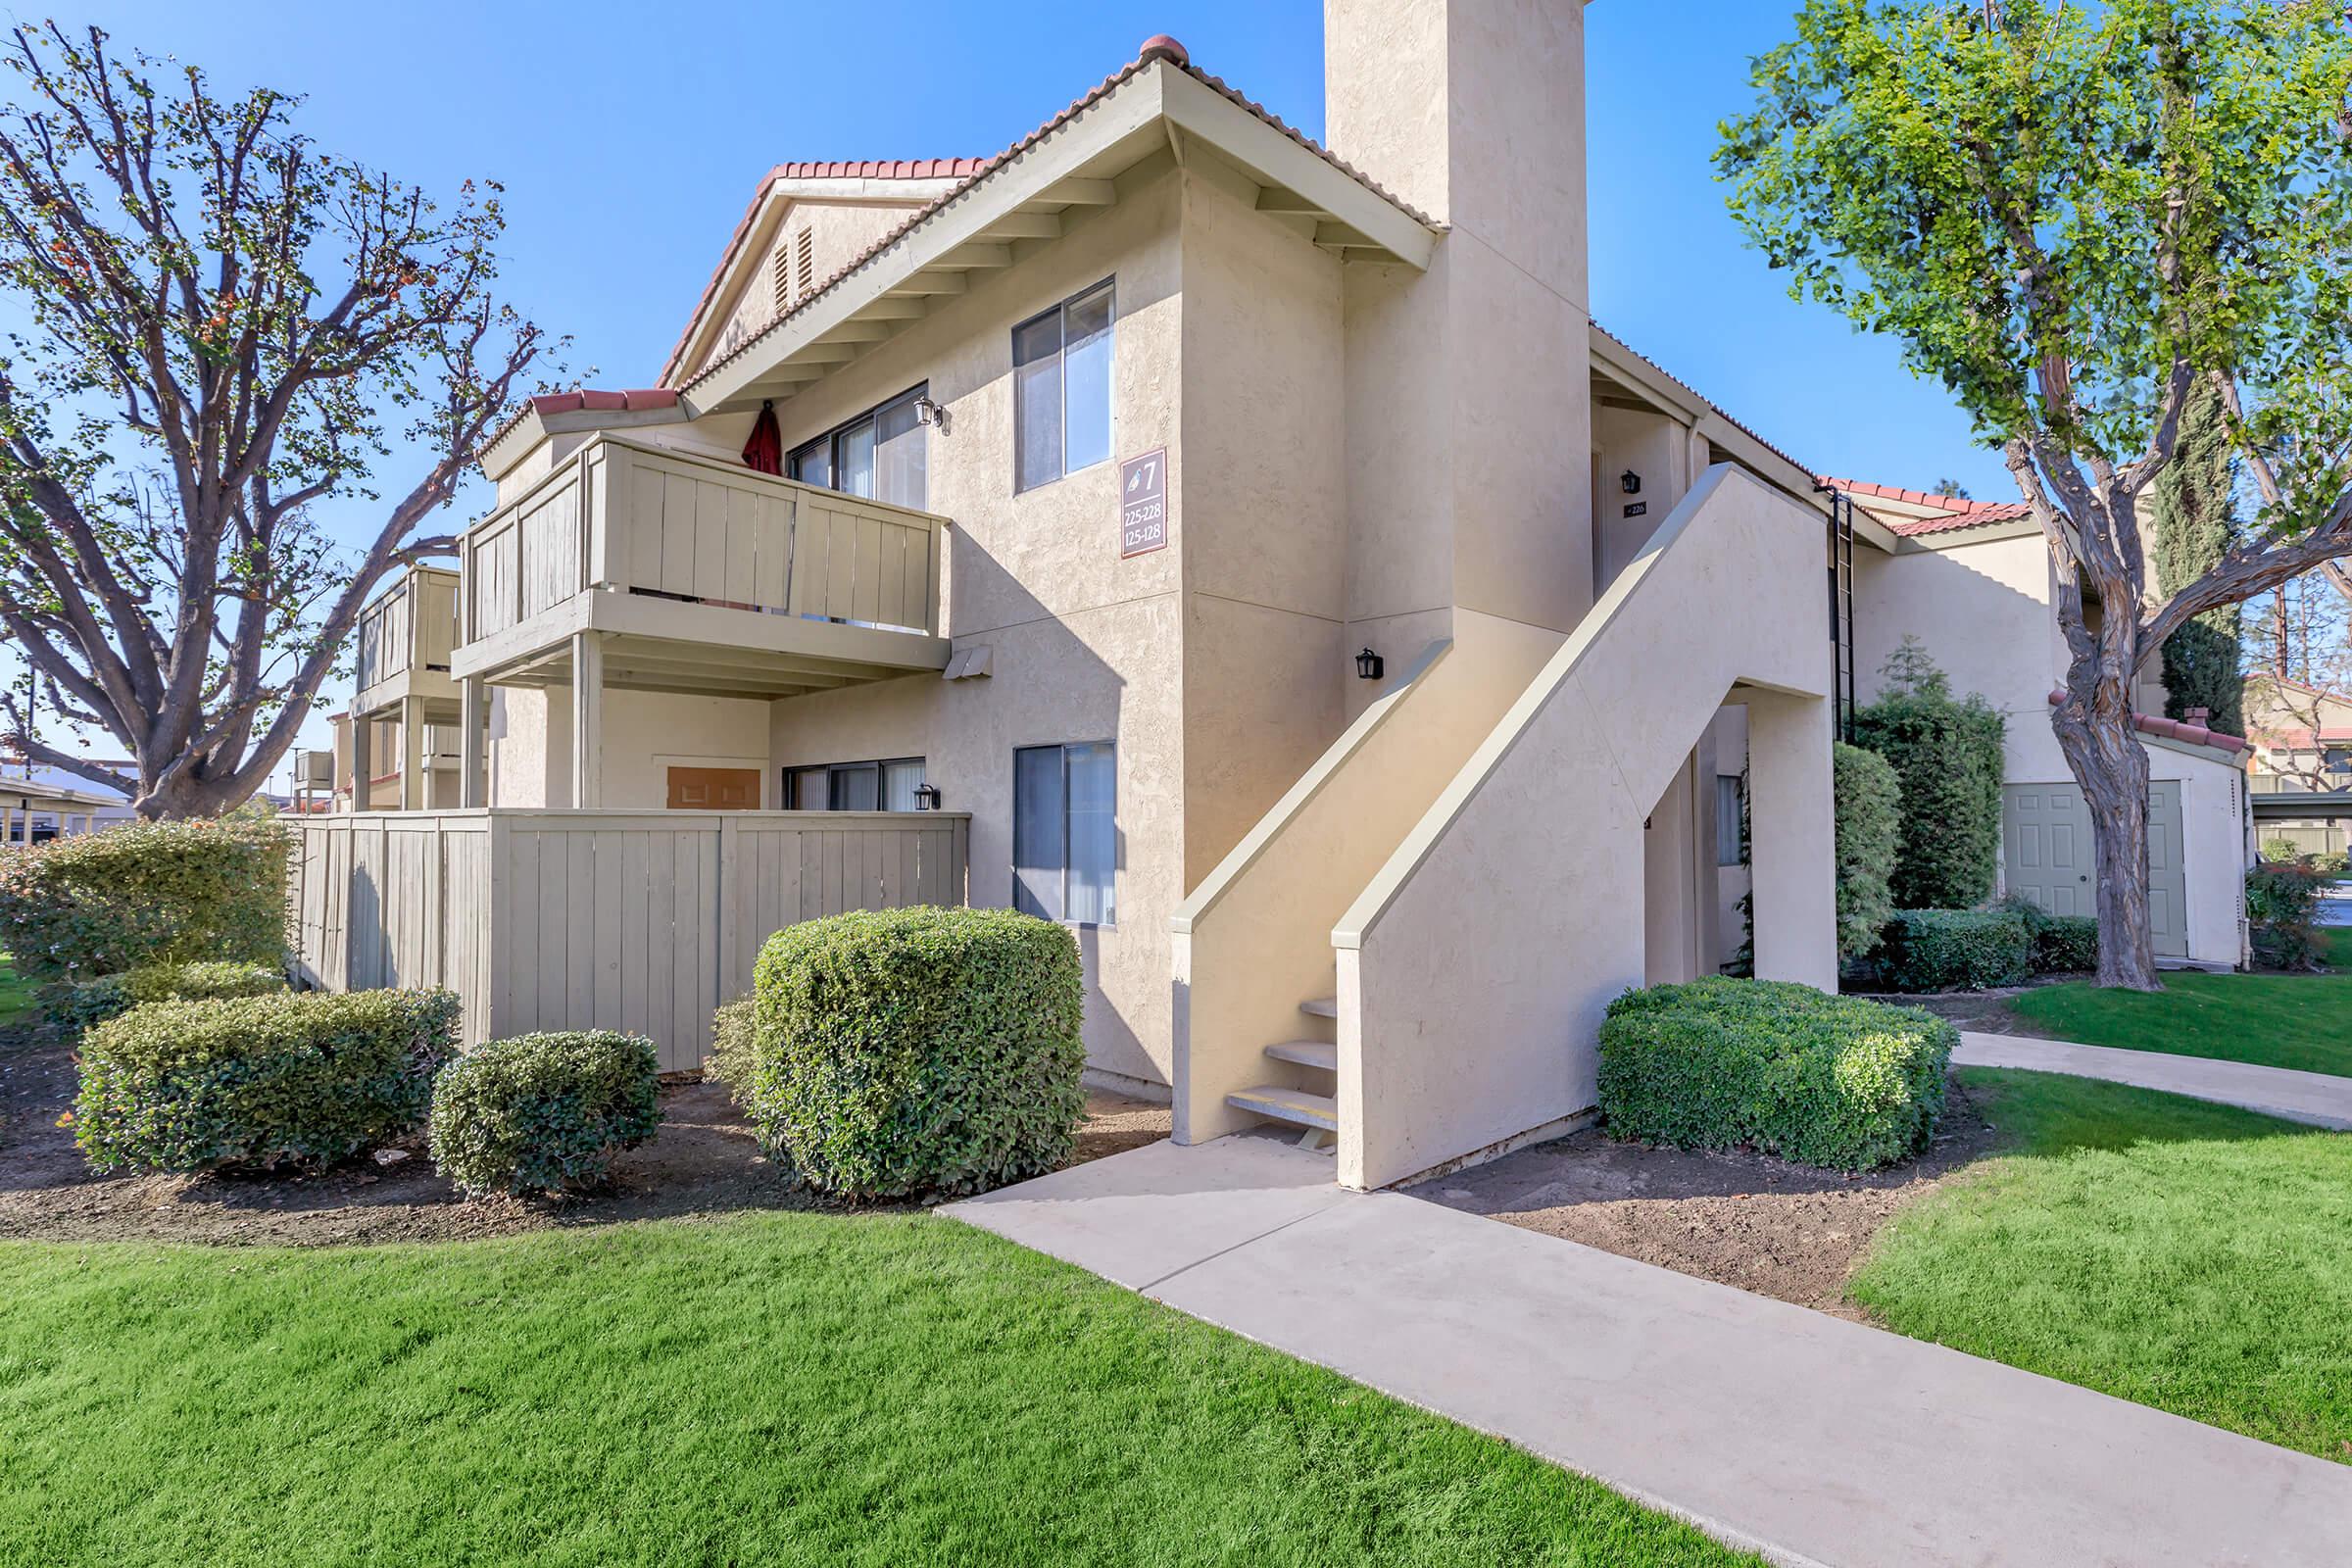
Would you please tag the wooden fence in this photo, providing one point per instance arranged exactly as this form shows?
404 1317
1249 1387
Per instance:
644 921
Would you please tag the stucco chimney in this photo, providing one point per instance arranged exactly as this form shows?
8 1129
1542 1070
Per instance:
1472 111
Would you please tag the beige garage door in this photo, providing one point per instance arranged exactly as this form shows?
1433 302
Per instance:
2046 831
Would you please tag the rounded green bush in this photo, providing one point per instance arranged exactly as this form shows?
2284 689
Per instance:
921 1049
147 893
1721 1064
301 1079
543 1112
80 1005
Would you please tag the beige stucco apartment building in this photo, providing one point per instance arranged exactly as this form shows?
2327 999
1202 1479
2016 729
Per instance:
1250 547
1972 581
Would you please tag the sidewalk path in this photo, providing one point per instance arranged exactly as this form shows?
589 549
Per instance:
2320 1099
1810 1438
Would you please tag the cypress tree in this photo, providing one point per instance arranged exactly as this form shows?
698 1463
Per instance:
2195 522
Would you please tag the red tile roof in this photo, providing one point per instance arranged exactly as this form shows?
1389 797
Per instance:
1959 513
2174 729
656 397
1159 47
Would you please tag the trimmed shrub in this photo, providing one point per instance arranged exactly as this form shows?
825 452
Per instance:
734 1035
921 1049
1822 1080
1869 819
255 1082
1946 752
147 893
543 1112
2331 863
79 1004
2063 944
1955 950
2282 901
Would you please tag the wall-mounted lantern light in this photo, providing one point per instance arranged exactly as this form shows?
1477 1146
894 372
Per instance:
926 797
929 411
1631 484
1370 666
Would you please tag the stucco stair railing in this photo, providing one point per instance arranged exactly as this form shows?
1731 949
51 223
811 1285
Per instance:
1474 966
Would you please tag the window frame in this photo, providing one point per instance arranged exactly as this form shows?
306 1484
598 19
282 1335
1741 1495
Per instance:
1014 855
789 780
1108 288
830 440
1730 825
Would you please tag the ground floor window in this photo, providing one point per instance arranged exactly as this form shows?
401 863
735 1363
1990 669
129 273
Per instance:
883 786
1727 821
1065 832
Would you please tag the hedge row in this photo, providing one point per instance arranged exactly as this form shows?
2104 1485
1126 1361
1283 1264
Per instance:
82 1005
1823 1080
146 894
303 1079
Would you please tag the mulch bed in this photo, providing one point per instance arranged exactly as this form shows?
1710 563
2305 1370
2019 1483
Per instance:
703 1162
1738 1218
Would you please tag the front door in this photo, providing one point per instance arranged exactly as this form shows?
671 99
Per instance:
2051 860
714 789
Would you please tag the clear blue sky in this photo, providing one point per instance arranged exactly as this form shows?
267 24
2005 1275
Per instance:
630 137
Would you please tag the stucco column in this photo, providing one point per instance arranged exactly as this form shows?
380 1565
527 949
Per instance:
473 703
587 720
1792 841
362 761
411 754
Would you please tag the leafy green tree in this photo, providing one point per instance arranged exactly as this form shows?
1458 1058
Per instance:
1945 753
2196 524
225 328
2070 215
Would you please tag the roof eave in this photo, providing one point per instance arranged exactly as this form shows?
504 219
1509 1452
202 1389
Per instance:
1078 154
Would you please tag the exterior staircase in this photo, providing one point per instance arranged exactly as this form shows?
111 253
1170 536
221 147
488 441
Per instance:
1311 1106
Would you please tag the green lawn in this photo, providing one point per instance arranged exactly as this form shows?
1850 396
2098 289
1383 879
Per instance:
2189 1256
16 997
773 1388
2272 1020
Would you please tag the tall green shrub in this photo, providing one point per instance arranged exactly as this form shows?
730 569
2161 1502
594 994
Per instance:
1946 754
148 893
924 1050
1869 824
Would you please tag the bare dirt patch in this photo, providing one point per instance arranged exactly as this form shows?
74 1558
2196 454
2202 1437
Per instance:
1741 1219
703 1162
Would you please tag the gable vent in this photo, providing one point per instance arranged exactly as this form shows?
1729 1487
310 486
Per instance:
779 272
807 260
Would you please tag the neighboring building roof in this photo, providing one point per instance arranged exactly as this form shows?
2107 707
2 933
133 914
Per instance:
1157 49
1954 512
2172 729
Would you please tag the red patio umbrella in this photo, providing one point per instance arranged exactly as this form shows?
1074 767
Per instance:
764 451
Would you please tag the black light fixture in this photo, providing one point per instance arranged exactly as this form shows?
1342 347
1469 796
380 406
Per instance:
1631 484
926 797
1370 666
928 410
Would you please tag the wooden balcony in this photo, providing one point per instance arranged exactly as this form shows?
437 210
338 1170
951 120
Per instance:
406 636
681 573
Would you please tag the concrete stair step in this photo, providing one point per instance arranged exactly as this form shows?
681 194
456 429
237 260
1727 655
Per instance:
1293 1108
1321 1008
1307 1053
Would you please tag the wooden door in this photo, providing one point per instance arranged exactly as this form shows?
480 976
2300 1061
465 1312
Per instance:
714 789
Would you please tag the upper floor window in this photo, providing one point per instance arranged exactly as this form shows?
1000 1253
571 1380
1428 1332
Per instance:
1061 389
880 454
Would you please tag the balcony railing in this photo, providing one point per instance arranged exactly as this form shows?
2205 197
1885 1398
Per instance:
408 629
631 517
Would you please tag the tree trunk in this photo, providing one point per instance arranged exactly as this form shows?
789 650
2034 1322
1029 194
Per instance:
2102 748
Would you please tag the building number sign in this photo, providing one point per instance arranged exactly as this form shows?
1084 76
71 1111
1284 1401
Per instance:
1144 504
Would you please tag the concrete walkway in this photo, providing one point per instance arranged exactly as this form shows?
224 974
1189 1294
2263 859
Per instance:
1810 1438
2318 1098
